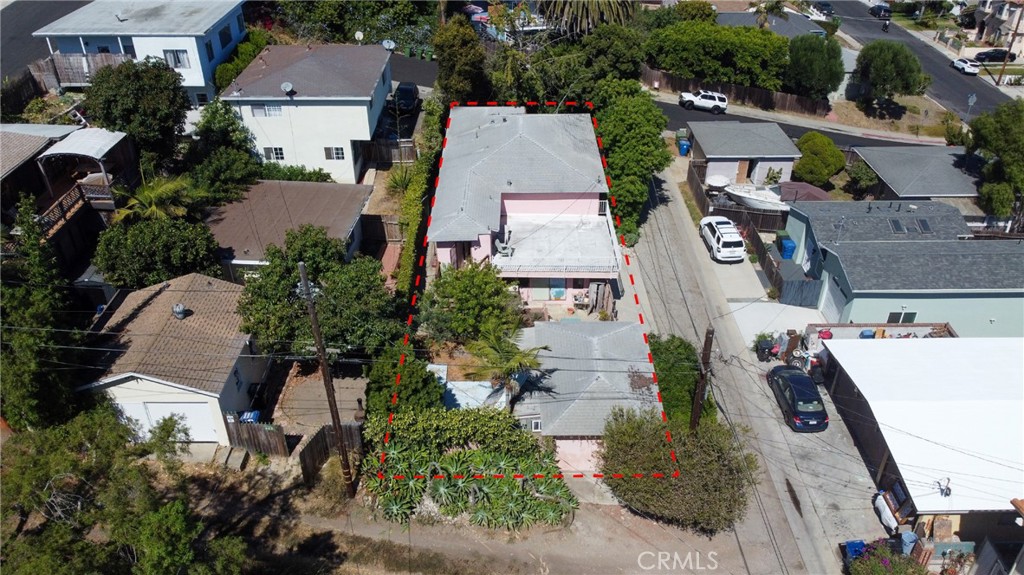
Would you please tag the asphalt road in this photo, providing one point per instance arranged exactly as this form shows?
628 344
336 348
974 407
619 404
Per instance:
949 87
677 118
18 21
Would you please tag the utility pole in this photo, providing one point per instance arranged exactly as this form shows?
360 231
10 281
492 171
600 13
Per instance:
1009 47
702 380
325 371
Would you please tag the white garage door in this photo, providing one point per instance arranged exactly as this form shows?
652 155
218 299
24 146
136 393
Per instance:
196 416
835 301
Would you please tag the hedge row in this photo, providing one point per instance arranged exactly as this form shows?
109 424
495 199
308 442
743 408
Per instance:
243 55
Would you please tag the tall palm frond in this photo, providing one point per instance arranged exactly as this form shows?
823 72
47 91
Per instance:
581 16
157 199
768 8
500 359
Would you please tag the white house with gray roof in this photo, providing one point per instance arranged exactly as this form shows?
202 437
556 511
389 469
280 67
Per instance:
527 193
586 375
314 105
192 37
743 152
902 262
922 172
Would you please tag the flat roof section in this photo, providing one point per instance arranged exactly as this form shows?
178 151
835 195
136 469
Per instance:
947 407
560 244
135 18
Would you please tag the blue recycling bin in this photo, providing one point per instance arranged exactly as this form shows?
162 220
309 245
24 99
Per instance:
909 539
684 147
788 248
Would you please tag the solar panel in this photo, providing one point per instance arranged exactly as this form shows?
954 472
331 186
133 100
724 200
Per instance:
897 226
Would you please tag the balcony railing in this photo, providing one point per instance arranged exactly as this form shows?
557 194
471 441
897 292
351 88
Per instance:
61 211
72 69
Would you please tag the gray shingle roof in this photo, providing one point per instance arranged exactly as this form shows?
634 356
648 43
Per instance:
743 140
198 352
140 18
848 222
587 370
953 265
492 151
315 71
923 171
16 149
795 25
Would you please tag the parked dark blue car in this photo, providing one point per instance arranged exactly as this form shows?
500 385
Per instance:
799 399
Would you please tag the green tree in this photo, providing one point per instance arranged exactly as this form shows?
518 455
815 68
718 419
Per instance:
677 366
32 302
500 359
578 17
998 198
287 173
157 199
462 300
220 126
715 479
886 68
862 177
614 51
999 137
630 126
314 21
144 99
815 66
153 251
165 540
356 311
696 10
418 389
512 76
767 9
650 20
460 62
224 175
820 161
955 133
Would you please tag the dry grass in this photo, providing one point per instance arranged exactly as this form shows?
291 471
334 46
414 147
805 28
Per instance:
691 206
382 202
921 116
455 357
838 191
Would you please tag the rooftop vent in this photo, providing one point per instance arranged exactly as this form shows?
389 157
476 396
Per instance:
178 310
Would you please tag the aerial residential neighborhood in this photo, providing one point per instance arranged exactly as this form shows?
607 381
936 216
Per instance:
614 286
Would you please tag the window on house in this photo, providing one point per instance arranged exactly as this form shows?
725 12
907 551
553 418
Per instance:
577 283
225 37
273 109
209 51
535 425
202 98
177 59
275 154
102 49
334 153
241 25
902 317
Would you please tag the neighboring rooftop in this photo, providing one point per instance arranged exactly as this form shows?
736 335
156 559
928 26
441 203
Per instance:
494 151
802 192
924 171
140 18
16 149
52 131
742 140
791 27
90 142
198 352
587 369
935 426
948 265
559 244
315 71
895 221
270 208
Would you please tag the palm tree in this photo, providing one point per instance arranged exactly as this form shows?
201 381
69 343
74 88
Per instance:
581 16
158 199
500 359
769 8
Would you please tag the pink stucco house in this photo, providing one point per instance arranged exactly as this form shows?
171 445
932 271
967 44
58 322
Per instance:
526 192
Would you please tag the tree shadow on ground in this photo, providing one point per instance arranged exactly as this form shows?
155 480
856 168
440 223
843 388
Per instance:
882 109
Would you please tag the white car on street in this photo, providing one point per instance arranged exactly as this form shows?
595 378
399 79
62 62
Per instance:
704 100
966 66
723 239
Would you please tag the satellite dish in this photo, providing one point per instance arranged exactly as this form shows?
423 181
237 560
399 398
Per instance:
359 36
389 45
287 87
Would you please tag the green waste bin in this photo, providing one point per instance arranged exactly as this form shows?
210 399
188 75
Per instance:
429 55
408 51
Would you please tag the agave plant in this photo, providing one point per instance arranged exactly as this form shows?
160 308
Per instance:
397 506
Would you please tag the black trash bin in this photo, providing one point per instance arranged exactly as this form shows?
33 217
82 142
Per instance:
764 350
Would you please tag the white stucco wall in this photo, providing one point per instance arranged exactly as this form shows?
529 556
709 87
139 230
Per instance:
729 168
137 390
969 314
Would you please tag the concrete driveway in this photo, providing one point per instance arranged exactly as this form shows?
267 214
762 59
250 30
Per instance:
815 491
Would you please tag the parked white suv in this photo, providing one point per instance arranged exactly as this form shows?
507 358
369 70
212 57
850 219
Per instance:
704 100
723 239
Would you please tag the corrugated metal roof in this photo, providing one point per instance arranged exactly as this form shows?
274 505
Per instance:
743 140
90 142
140 18
587 373
314 71
492 151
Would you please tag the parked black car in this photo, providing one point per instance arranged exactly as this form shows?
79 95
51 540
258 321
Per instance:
880 11
995 55
406 97
825 8
799 399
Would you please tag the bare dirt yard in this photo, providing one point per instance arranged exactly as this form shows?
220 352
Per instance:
383 202
916 115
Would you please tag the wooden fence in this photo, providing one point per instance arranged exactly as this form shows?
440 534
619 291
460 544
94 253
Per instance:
761 220
256 437
381 228
764 254
17 92
388 152
746 95
321 446
75 70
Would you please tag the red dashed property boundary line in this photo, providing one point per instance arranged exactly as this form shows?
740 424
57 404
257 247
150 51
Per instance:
420 269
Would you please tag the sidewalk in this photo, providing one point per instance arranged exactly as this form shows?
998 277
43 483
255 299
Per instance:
808 122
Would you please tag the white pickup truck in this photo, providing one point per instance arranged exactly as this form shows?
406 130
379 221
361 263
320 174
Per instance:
704 100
